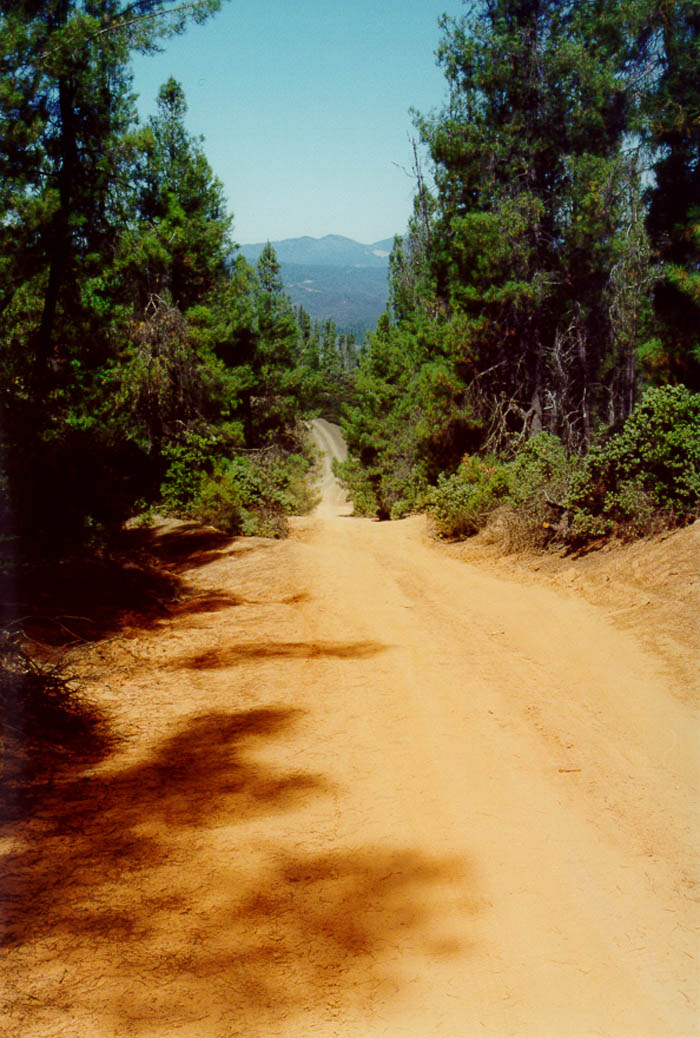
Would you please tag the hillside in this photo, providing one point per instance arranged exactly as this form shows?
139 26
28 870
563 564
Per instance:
333 277
333 250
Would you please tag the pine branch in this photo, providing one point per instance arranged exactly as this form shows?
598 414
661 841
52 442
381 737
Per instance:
134 14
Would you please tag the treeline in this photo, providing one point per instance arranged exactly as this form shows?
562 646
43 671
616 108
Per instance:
143 363
550 275
329 358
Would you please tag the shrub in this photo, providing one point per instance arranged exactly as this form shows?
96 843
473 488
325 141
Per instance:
644 476
525 494
460 504
188 463
253 494
538 479
390 490
360 485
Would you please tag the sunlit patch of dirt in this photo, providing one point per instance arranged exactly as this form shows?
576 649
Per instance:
649 587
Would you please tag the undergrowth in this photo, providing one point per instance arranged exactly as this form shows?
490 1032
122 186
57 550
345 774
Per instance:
248 493
44 722
629 483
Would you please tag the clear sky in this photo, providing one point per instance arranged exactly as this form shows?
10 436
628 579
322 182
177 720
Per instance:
304 107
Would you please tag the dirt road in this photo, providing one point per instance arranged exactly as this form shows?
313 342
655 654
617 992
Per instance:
365 790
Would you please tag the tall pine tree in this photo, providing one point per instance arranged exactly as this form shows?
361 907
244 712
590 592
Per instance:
66 172
536 201
673 133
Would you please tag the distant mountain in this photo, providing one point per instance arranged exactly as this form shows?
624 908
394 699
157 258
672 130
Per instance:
334 277
353 297
332 251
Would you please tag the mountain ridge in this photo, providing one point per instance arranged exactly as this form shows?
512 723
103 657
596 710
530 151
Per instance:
333 250
333 278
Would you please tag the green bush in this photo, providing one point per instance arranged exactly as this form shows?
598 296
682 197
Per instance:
642 478
390 490
247 494
461 504
525 493
645 476
253 494
538 478
188 463
360 485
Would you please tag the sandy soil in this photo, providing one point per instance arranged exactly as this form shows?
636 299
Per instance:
367 786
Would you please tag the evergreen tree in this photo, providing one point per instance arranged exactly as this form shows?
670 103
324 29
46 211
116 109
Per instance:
330 361
521 294
271 403
304 326
180 245
64 108
66 168
535 201
673 132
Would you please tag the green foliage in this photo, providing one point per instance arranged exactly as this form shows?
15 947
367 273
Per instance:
539 281
138 351
535 202
410 417
673 220
524 492
644 475
360 484
238 499
538 478
639 479
188 462
252 495
179 246
77 250
461 503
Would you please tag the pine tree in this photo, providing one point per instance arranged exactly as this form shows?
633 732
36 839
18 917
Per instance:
66 168
63 114
535 199
179 246
271 403
673 130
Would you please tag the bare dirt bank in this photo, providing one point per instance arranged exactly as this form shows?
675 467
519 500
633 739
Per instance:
366 788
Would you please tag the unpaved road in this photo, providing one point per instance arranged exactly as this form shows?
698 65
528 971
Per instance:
365 790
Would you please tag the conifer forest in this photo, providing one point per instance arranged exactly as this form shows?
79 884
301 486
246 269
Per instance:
541 348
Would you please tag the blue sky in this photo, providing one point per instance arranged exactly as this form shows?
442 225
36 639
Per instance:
304 106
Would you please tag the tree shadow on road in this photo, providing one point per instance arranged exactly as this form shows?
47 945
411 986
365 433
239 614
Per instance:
304 933
139 896
139 582
233 654
51 605
180 547
90 831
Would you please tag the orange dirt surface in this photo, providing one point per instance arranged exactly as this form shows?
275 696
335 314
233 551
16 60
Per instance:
361 784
